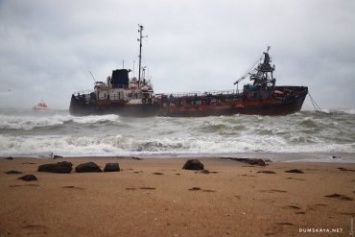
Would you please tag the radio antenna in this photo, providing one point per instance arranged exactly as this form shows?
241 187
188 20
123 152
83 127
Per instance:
140 31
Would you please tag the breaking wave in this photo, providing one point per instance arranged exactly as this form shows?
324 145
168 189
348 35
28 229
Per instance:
108 135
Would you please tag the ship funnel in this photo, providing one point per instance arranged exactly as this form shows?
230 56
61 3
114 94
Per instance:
120 78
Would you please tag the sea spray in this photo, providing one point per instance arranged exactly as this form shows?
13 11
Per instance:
63 134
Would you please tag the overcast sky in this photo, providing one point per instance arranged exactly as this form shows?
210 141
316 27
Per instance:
48 47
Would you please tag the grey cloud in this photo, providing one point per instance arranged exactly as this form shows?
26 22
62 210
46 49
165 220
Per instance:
48 47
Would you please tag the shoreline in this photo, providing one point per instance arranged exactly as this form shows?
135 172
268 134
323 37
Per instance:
313 157
156 197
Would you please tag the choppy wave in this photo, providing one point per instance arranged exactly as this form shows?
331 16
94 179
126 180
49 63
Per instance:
62 134
27 122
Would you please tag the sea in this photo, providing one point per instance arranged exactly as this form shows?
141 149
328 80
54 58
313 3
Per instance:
307 135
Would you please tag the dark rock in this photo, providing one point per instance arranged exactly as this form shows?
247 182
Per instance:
266 172
293 207
250 161
259 162
136 158
13 172
195 189
112 167
284 223
205 171
63 167
345 169
300 212
295 171
193 164
9 158
57 157
339 196
148 188
158 173
28 177
87 167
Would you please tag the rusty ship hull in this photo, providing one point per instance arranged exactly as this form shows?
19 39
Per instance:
205 105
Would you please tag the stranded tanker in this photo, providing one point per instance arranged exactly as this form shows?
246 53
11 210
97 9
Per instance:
134 97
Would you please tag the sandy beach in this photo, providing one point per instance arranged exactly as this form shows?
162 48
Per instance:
156 197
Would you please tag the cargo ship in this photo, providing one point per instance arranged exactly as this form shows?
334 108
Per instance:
135 97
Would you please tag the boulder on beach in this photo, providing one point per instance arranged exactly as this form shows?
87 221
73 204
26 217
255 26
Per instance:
63 167
193 164
87 167
112 167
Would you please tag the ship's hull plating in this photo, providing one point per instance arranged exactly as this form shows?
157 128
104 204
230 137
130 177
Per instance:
270 106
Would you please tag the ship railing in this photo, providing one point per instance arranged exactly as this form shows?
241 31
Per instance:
197 94
83 97
85 92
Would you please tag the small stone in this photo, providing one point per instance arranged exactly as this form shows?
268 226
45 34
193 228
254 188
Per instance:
195 189
345 169
28 177
13 172
205 171
295 171
250 161
266 172
339 196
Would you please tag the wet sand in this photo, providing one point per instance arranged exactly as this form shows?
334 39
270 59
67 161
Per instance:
156 197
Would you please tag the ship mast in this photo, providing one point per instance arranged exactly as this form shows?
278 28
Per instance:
140 30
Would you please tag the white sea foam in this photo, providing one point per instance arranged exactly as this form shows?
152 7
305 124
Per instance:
108 135
95 119
28 122
349 111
